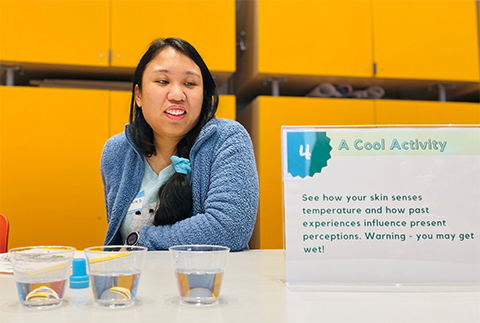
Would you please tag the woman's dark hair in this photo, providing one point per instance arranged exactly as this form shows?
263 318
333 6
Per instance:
175 196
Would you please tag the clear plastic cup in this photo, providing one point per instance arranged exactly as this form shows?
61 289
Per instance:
115 273
41 274
199 272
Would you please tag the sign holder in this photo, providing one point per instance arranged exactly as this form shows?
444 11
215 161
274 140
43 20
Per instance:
373 208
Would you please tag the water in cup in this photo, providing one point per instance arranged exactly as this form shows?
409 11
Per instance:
115 274
199 271
41 274
116 290
41 293
199 286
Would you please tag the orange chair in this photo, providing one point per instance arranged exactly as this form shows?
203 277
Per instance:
3 233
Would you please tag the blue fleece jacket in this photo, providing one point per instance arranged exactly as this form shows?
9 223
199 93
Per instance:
224 183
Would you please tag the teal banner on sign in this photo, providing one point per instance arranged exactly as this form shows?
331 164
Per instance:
381 206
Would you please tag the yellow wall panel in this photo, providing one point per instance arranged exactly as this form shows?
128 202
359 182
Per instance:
208 25
426 112
73 32
315 37
50 147
423 39
264 118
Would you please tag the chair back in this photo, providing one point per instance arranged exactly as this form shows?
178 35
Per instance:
3 233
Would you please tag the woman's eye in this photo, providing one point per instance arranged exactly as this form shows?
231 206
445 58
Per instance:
162 81
190 84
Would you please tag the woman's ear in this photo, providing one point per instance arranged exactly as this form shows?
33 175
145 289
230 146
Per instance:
138 96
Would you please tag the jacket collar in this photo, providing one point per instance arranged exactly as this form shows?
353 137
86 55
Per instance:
129 139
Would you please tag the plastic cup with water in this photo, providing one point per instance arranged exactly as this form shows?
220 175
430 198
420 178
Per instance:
115 274
41 274
199 271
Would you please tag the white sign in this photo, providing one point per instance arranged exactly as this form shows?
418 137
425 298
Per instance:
382 206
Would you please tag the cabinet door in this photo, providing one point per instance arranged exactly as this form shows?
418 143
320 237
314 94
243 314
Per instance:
120 110
315 38
425 112
435 40
50 147
72 32
263 119
226 107
208 25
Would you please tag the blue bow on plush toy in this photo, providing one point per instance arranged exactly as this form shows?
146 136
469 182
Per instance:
181 165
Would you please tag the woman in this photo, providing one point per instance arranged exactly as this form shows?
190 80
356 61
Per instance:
178 175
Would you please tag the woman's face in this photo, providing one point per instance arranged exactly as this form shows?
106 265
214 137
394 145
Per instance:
172 94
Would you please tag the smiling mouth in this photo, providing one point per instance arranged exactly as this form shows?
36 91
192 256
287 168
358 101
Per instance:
175 112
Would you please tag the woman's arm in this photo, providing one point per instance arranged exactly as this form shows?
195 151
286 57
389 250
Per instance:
122 172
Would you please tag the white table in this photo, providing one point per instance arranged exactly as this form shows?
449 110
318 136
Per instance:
253 291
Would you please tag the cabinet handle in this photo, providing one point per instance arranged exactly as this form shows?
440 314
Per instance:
241 41
10 74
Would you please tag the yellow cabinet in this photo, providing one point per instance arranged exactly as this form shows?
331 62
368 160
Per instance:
426 112
120 110
400 45
227 107
314 37
436 40
209 25
113 33
69 32
50 147
301 40
264 118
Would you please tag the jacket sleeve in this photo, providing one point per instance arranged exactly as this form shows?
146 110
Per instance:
229 204
103 172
